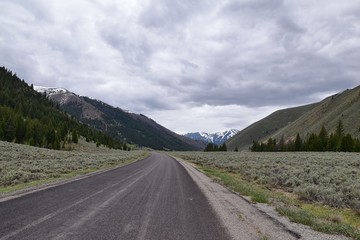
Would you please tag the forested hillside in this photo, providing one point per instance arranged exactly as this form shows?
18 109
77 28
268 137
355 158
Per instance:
28 117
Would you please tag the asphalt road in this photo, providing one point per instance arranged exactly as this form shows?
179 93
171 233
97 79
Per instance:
154 198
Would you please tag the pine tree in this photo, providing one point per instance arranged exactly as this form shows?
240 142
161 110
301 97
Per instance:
282 146
2 126
313 143
74 137
347 144
339 133
50 138
9 131
298 144
57 142
209 147
332 143
256 147
356 145
271 145
340 129
323 139
223 148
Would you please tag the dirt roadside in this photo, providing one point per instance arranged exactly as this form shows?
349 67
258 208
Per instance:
247 220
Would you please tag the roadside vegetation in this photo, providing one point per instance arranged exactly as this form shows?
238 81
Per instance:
23 166
321 190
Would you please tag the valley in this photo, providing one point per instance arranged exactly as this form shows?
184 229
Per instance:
92 140
180 120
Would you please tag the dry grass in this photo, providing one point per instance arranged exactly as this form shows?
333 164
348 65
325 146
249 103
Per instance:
329 178
22 165
300 185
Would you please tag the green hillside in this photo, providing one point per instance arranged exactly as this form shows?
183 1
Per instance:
267 127
344 106
27 117
287 123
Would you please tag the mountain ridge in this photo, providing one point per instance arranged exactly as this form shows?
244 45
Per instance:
118 123
217 138
306 119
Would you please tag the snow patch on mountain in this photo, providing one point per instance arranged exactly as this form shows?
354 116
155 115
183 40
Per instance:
58 94
50 90
217 137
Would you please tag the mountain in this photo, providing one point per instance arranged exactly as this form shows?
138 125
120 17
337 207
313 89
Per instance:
27 117
118 123
304 120
218 138
344 106
264 128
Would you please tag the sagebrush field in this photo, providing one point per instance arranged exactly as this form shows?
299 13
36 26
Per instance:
21 164
330 178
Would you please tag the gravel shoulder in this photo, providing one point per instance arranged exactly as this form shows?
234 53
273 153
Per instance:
247 220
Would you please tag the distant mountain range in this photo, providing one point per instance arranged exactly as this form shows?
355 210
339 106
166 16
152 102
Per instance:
286 123
217 138
118 123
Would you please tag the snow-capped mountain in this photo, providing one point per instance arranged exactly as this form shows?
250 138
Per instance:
57 94
217 138
50 90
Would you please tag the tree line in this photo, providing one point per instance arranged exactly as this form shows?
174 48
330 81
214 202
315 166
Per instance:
212 147
28 117
322 142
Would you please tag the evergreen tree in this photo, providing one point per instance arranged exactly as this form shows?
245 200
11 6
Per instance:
271 145
256 147
313 143
332 143
9 131
340 129
209 147
347 144
323 139
50 138
74 137
223 148
298 143
57 142
2 126
282 146
356 145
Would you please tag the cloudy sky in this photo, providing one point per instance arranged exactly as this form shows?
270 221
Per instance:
204 65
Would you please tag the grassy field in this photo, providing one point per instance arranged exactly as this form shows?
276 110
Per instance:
24 166
317 189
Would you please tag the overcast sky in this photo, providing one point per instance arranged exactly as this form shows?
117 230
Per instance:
204 65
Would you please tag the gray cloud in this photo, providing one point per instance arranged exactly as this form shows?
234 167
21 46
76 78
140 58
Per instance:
166 58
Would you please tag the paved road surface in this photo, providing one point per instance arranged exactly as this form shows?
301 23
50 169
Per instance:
152 199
